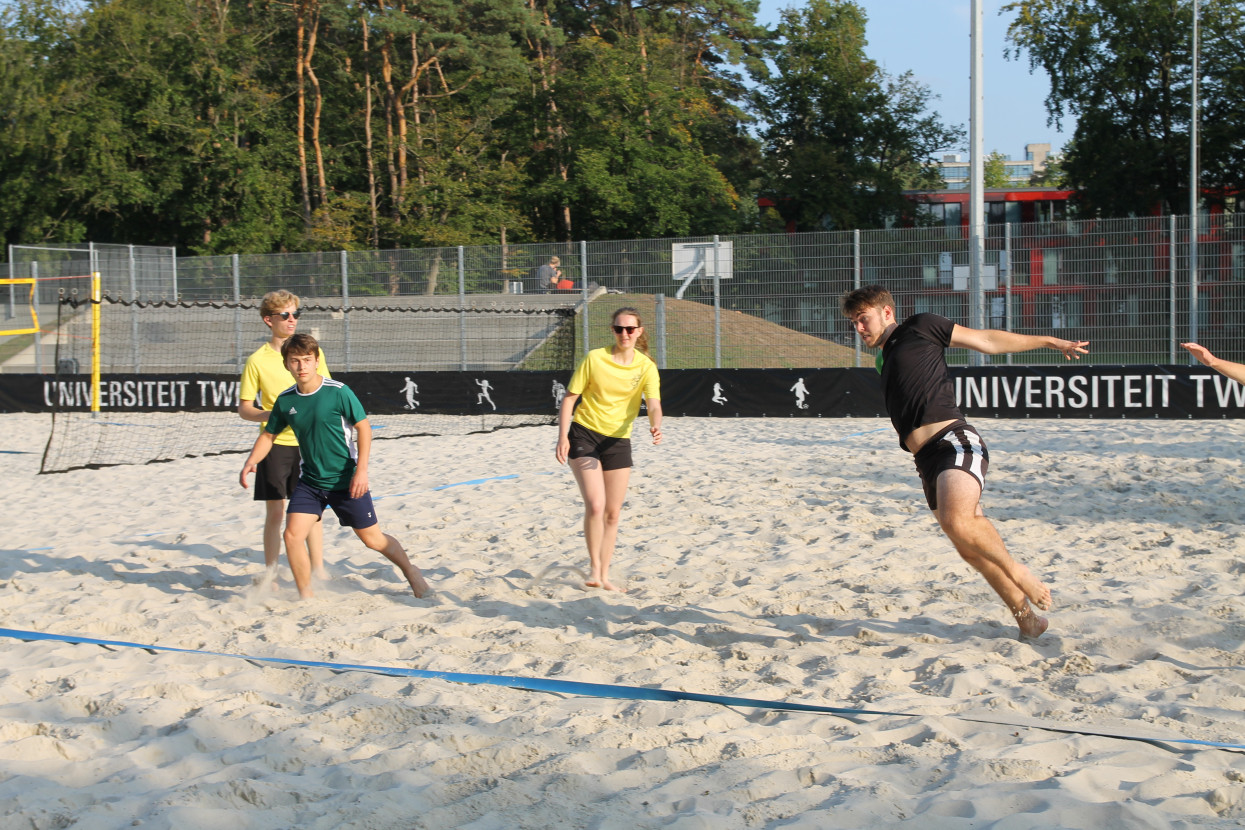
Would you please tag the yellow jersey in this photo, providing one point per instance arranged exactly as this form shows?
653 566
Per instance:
611 392
264 377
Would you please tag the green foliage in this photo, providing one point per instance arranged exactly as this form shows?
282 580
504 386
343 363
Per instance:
1124 69
994 171
333 124
844 137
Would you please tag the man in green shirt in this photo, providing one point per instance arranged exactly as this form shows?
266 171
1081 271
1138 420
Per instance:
335 441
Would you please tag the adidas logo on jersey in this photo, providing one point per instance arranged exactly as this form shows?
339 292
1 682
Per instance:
292 411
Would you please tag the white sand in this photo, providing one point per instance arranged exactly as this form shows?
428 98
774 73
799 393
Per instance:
781 560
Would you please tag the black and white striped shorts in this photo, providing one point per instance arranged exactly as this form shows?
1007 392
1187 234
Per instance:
958 447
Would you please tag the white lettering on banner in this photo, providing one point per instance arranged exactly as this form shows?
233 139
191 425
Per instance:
159 394
1224 389
1054 389
1076 386
224 393
1081 391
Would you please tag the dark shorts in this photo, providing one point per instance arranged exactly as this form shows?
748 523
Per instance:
357 513
277 474
613 453
958 447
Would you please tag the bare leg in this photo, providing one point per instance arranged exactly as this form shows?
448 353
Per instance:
274 519
297 527
315 547
392 550
603 493
979 544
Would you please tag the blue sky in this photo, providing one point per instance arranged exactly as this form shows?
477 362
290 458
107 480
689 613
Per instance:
931 38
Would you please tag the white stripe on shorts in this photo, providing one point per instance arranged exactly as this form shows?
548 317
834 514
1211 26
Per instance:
968 453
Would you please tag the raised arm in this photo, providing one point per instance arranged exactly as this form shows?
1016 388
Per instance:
993 341
1227 368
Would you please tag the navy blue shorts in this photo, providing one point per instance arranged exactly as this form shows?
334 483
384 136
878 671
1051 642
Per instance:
613 453
357 513
277 475
958 447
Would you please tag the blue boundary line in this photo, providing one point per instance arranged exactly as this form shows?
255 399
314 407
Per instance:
601 690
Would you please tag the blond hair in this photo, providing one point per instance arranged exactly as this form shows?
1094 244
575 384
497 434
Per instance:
274 301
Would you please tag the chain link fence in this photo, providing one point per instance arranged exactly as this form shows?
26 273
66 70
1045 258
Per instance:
761 301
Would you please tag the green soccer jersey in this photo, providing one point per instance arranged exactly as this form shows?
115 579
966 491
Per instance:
323 421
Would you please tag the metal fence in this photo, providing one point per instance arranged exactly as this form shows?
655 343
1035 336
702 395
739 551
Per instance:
772 300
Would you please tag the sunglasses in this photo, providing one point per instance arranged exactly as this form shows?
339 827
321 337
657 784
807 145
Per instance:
628 329
285 315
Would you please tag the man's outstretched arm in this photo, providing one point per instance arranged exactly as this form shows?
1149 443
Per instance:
1224 367
993 341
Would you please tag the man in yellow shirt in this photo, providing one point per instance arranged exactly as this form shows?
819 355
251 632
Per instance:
264 378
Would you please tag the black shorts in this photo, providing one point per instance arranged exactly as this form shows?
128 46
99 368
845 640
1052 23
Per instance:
277 474
613 453
958 447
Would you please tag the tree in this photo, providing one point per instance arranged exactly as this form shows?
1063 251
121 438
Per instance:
994 171
1123 68
1052 174
843 138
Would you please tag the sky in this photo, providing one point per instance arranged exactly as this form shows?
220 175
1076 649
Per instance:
931 38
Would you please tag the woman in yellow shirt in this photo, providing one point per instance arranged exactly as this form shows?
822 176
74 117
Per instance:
597 439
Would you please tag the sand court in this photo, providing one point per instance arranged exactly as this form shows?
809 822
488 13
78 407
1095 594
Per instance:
781 560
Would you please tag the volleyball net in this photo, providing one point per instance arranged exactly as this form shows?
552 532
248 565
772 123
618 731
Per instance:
145 381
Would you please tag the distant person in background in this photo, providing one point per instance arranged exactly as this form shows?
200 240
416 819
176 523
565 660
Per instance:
263 378
1227 368
549 275
596 436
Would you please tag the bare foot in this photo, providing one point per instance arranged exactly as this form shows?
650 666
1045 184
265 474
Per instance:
610 586
592 583
1031 625
416 580
1033 587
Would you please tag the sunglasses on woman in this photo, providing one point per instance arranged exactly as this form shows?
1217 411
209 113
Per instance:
285 315
628 329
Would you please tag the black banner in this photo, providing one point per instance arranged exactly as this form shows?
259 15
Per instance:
1072 391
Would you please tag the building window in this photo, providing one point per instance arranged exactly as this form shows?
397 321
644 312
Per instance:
999 212
1051 260
1238 261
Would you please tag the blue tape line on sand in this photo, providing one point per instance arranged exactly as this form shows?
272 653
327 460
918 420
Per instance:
604 690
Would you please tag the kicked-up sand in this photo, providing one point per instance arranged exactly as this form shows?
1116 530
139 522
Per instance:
777 560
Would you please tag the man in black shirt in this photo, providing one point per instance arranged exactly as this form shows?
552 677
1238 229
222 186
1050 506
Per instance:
949 454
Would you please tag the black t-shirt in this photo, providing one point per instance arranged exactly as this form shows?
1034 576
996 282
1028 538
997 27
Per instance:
915 381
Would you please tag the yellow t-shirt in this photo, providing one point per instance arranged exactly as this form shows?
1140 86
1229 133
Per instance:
265 377
611 392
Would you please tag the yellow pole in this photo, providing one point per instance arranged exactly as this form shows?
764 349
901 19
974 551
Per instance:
96 300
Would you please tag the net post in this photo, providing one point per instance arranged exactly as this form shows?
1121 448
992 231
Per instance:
237 312
583 269
96 301
659 308
134 312
717 306
345 273
462 311
34 304
856 285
